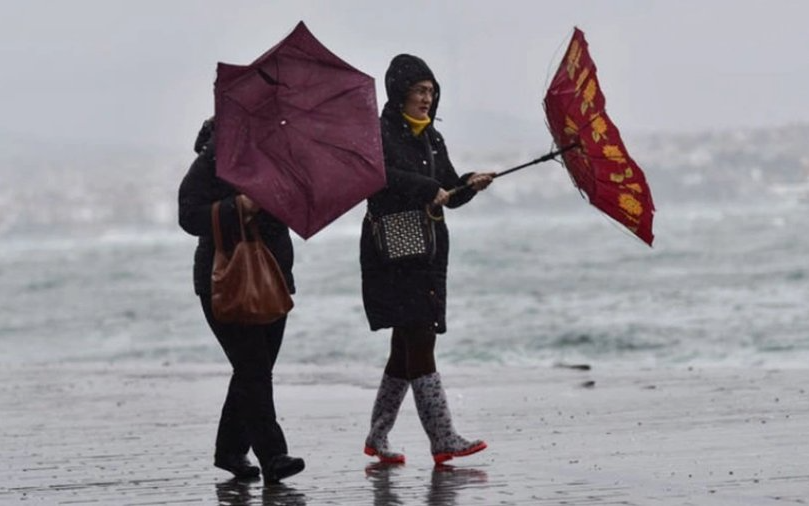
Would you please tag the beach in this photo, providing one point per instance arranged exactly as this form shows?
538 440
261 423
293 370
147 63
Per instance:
109 433
111 383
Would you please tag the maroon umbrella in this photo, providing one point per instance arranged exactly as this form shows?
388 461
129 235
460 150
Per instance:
297 131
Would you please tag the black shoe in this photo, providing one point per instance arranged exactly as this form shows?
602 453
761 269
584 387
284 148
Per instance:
280 467
239 465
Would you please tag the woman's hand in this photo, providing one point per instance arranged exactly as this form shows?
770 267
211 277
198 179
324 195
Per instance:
480 181
441 198
249 208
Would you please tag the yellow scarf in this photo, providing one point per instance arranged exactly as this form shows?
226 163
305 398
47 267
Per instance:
416 125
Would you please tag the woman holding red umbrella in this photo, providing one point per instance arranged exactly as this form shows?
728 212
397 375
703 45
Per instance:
409 295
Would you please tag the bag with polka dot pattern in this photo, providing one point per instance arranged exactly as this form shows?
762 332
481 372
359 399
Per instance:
407 235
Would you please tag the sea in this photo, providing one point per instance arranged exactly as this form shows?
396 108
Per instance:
726 284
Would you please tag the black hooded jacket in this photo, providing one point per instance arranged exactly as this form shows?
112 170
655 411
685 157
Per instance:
199 190
409 293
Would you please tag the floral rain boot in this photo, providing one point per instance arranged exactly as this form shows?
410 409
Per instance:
386 407
431 403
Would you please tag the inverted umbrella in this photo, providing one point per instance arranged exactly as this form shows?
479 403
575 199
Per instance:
298 132
591 146
598 161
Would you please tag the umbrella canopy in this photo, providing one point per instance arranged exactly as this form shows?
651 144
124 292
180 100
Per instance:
298 132
599 163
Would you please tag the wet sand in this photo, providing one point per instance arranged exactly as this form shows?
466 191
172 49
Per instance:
138 435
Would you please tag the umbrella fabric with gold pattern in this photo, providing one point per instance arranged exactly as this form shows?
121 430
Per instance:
599 165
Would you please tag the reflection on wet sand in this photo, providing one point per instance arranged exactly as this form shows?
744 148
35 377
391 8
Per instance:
381 477
252 492
445 483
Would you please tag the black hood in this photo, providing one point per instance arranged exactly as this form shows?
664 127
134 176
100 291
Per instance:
205 136
404 71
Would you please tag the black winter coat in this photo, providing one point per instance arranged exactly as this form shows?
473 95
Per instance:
409 293
199 190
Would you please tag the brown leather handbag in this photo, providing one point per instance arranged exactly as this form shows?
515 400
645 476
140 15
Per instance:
247 286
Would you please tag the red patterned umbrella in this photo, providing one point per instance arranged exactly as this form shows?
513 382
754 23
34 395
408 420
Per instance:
598 161
297 131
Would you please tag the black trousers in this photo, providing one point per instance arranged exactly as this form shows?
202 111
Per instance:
248 414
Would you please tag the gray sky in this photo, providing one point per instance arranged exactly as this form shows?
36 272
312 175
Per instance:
141 72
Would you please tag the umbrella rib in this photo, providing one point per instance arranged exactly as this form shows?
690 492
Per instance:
270 79
325 100
343 149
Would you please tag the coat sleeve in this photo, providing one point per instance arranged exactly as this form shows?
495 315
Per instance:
414 186
450 179
463 196
195 201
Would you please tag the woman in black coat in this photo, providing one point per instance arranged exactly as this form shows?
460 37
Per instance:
409 295
248 417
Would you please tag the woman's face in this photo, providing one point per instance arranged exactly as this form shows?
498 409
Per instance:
419 100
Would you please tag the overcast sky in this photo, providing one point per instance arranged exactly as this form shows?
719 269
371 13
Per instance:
141 72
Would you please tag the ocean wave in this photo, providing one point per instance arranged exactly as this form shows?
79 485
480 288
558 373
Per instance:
522 290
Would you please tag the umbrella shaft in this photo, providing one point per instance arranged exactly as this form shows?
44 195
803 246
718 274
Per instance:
543 158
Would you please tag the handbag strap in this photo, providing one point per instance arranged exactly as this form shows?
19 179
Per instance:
241 218
252 225
217 227
217 231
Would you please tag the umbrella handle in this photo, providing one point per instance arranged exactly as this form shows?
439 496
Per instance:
429 210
